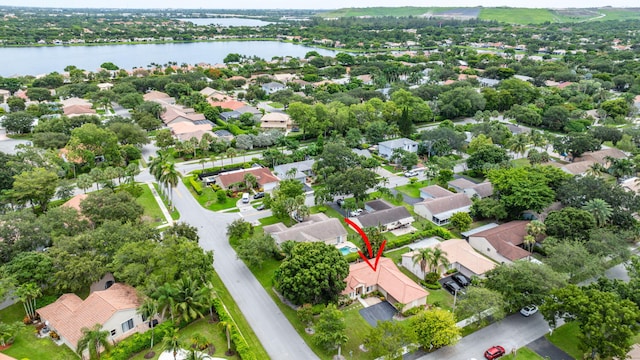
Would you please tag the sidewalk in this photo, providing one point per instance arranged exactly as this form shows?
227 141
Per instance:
165 211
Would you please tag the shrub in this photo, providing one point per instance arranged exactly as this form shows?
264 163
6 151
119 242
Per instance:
412 311
137 342
317 309
435 286
431 277
195 184
222 196
241 345
451 271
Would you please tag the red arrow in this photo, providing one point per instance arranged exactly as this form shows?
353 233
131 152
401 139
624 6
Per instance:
366 241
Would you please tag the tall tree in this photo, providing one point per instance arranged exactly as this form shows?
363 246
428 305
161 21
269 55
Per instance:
171 342
477 301
35 186
600 210
388 339
148 310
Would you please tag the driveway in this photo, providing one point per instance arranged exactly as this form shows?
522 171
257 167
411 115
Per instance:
378 312
276 334
547 350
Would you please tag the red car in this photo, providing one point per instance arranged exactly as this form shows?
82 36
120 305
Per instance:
494 352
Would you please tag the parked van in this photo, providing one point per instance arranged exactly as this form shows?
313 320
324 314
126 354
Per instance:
245 198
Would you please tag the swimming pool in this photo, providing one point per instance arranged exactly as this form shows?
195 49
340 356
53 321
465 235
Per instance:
346 250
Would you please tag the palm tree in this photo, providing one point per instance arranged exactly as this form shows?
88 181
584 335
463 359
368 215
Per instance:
537 138
149 309
165 295
536 228
227 326
341 339
231 153
28 293
93 340
438 258
519 144
529 240
155 166
423 256
170 178
596 169
600 210
84 182
620 167
189 299
172 342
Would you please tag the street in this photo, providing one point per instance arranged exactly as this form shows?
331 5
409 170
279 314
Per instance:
513 332
276 334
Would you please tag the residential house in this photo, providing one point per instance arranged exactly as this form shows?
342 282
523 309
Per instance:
462 185
440 210
362 152
250 109
317 228
460 255
115 309
388 280
576 168
229 104
266 179
300 170
502 243
272 87
386 148
78 110
74 202
485 82
434 192
631 184
159 97
384 214
230 115
601 156
276 120
105 86
4 95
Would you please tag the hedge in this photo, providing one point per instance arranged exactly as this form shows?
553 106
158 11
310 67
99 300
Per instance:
196 185
138 342
241 346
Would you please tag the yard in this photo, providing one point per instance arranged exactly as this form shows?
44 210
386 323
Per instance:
28 346
565 337
523 354
413 190
152 213
208 199
175 215
212 332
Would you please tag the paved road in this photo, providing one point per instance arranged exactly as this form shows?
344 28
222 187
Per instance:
513 332
272 328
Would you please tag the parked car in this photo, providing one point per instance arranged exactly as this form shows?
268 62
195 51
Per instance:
356 212
494 352
529 310
340 202
461 280
260 207
245 198
258 195
452 287
411 173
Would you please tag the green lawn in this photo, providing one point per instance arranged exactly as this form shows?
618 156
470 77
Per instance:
523 354
619 14
28 346
152 212
413 190
381 11
210 331
175 215
208 198
517 15
521 162
276 105
566 338
12 313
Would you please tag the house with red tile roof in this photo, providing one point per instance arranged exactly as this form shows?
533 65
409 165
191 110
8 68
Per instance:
77 110
265 178
229 104
502 243
115 309
387 279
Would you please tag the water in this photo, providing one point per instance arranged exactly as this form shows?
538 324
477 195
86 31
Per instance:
227 21
43 60
346 250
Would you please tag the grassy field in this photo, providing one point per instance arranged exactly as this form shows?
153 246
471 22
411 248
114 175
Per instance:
619 14
518 15
523 354
210 331
565 337
380 11
152 212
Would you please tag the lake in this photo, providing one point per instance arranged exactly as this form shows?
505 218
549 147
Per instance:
43 60
227 21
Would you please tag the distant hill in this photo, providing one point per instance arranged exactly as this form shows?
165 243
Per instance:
502 14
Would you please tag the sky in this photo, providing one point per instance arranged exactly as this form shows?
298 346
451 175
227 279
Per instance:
307 4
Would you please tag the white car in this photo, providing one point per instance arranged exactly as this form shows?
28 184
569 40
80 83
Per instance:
411 173
356 212
529 310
